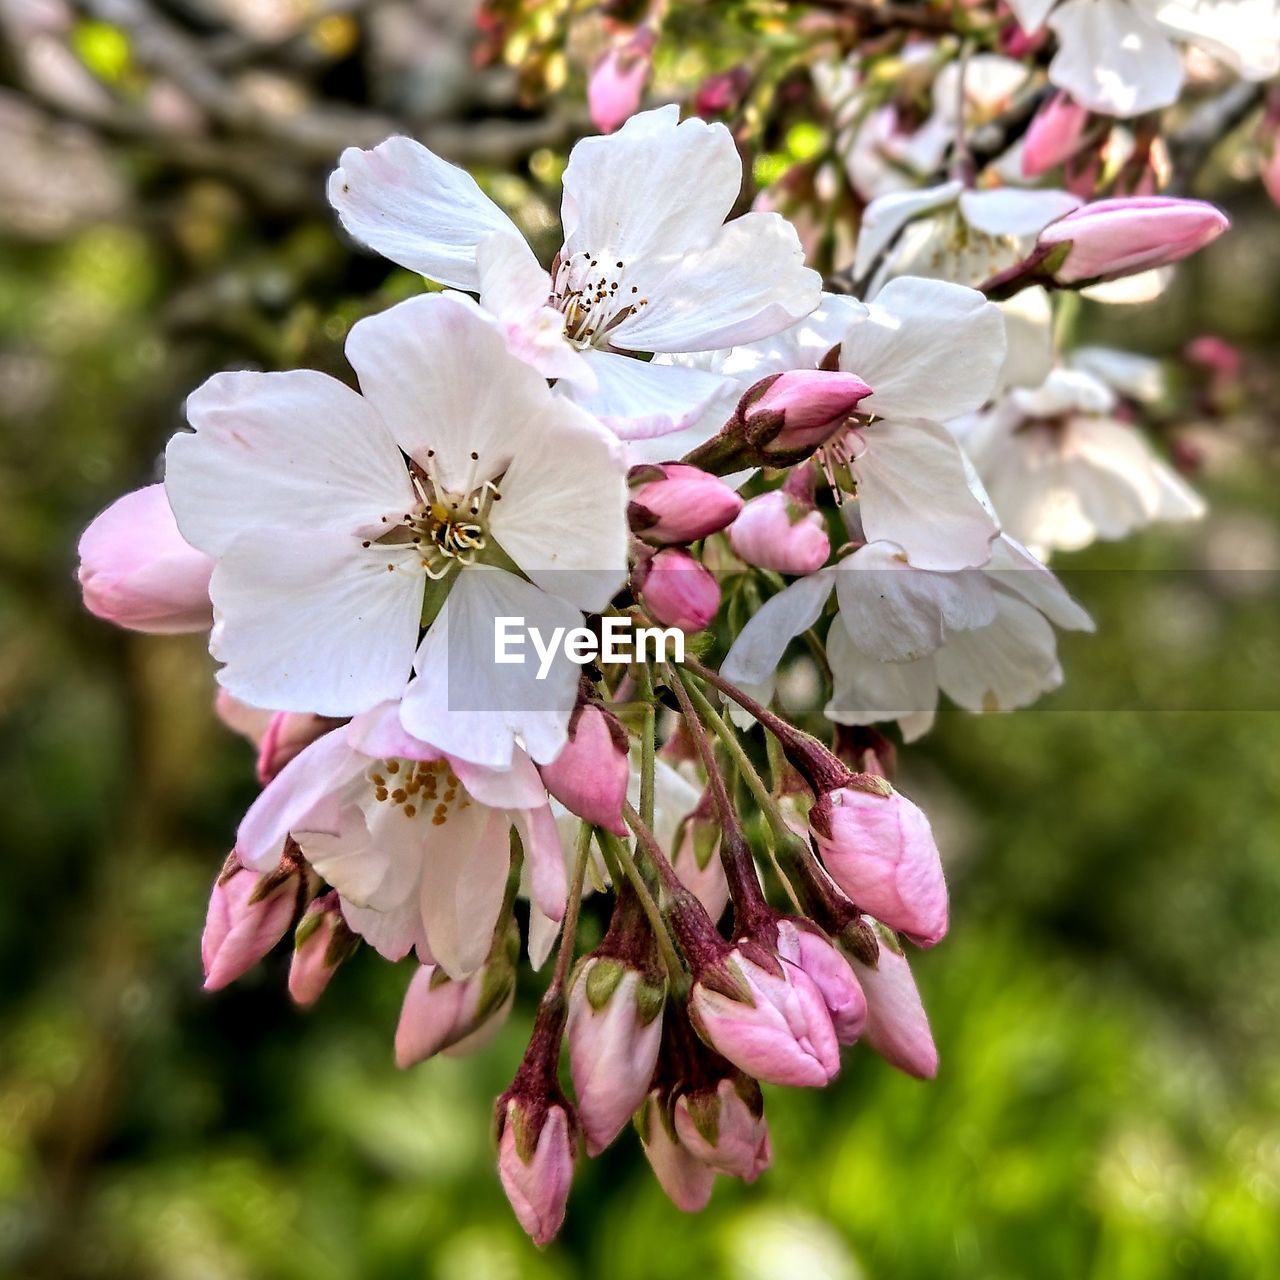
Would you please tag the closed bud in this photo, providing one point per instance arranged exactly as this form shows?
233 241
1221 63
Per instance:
897 1025
766 1016
677 591
617 81
723 1125
810 405
440 1015
802 945
674 502
535 1162
321 942
781 532
696 860
1054 135
589 776
286 733
248 914
687 1180
138 571
614 1030
1112 238
879 848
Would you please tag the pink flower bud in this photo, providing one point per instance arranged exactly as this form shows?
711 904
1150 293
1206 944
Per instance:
617 81
777 531
1054 136
614 1028
880 850
677 591
440 1015
897 1025
767 1017
698 866
535 1163
809 950
137 571
686 1179
721 93
248 914
286 734
1112 238
678 503
589 776
812 403
725 1127
321 942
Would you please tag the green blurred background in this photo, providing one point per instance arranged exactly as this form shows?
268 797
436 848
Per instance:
1107 1005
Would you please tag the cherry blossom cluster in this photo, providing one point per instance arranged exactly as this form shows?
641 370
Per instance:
676 425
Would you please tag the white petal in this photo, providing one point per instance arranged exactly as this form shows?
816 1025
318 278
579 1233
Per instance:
1028 331
927 349
748 283
463 882
392 934
418 210
304 795
1113 58
916 489
516 289
1016 570
653 188
562 516
1010 211
473 707
1003 666
884 217
275 450
313 621
544 856
1245 34
867 691
438 370
640 400
1031 13
898 613
517 787
758 650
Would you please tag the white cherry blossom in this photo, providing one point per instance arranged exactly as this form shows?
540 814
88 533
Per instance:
902 635
455 486
416 842
648 263
1063 468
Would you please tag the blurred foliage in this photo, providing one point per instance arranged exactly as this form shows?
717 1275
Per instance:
1106 1006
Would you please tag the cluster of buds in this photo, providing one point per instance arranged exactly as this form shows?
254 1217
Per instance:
663 427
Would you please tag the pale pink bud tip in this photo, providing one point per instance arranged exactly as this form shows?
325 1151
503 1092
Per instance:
881 852
137 570
589 776
687 1180
614 1030
679 592
679 503
1054 136
812 402
440 1015
1112 238
536 1168
777 531
897 1025
248 914
617 81
321 943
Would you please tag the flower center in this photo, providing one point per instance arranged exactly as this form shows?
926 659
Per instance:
426 787
449 526
594 298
